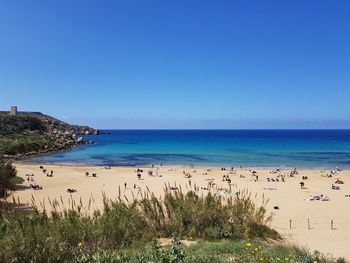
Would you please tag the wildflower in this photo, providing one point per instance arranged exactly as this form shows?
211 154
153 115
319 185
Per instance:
278 259
315 261
248 244
286 259
79 244
256 249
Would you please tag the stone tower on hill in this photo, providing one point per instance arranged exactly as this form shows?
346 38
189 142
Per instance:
13 111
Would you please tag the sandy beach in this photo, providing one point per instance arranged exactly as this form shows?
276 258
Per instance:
294 203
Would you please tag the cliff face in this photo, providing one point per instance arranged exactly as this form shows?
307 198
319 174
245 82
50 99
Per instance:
36 133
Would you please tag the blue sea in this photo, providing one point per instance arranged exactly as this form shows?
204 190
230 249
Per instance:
253 148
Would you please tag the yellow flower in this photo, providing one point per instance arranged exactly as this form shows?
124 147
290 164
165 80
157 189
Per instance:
256 249
278 259
315 261
286 259
248 244
79 244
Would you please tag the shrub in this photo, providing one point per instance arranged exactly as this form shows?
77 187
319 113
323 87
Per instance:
39 237
7 176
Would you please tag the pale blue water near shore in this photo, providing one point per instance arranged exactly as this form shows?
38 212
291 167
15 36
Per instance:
253 148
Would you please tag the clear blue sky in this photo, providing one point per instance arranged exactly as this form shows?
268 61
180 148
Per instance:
179 64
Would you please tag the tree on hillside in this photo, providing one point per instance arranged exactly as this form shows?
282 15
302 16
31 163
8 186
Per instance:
7 176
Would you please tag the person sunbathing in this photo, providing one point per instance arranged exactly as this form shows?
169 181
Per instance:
338 181
36 186
188 175
335 187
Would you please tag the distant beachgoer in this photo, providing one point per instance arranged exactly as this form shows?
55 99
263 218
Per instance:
125 185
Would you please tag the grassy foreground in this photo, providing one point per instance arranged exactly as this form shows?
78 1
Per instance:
58 237
211 252
111 235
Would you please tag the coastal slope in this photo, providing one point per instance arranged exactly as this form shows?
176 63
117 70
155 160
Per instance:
34 133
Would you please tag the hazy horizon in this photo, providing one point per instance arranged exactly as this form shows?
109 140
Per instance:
121 123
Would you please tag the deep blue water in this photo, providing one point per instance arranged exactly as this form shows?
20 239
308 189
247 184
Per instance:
258 148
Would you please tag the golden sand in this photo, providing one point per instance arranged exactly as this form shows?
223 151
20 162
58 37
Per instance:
295 208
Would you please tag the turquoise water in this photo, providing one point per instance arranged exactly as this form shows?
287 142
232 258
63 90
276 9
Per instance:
257 148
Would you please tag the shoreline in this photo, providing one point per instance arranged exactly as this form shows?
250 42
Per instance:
251 167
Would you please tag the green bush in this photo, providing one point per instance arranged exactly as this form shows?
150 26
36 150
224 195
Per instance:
221 252
38 237
7 176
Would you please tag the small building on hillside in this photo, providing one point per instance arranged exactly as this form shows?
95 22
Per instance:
13 111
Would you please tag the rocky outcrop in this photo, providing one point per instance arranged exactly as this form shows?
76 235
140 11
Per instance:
36 133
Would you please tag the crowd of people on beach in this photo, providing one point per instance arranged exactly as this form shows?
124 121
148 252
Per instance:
34 186
276 176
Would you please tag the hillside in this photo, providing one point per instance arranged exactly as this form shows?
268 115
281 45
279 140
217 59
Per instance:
36 133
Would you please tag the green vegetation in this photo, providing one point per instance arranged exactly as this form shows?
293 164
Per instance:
7 176
36 133
210 252
61 236
23 134
24 143
19 124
